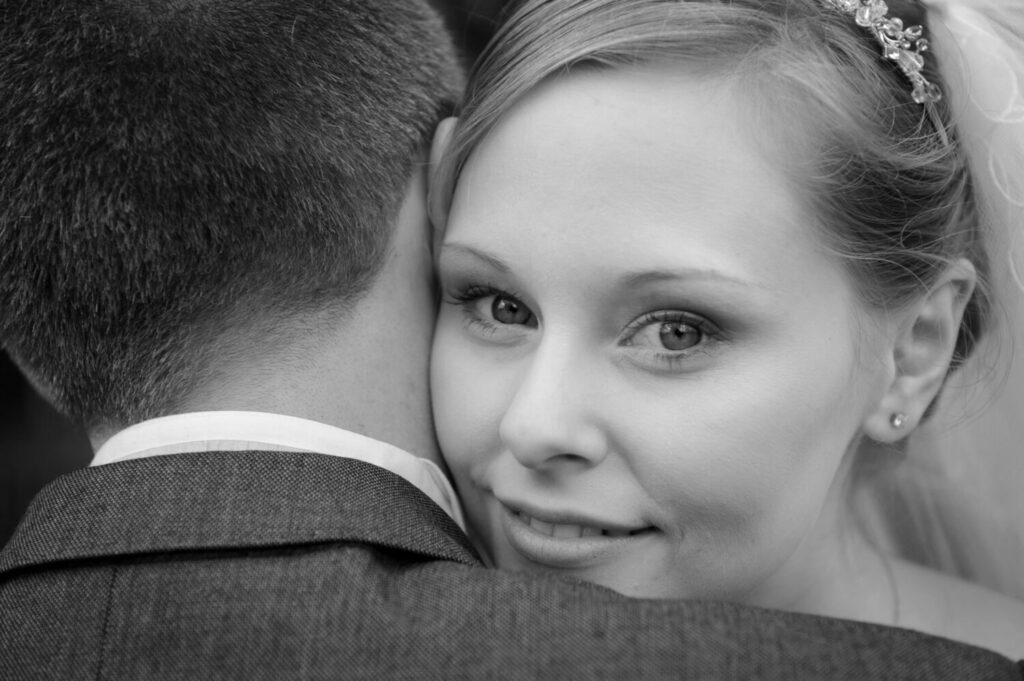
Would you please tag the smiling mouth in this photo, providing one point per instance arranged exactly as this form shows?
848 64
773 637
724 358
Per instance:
573 530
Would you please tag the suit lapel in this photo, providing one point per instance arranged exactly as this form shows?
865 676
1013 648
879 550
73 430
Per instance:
230 500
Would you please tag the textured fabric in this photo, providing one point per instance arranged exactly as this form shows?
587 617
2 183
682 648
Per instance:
207 431
274 565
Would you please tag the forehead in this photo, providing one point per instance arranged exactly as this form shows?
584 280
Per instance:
628 151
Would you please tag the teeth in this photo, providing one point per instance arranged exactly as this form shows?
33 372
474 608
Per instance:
541 526
570 531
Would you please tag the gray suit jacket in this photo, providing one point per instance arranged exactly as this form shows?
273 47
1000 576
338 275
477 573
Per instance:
260 565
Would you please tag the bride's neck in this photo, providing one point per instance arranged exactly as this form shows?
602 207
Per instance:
835 572
854 580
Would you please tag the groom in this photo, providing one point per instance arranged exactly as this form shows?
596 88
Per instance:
214 253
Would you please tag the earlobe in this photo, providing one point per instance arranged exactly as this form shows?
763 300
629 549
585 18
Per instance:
922 352
438 201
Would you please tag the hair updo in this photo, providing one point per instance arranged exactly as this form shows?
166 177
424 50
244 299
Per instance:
887 177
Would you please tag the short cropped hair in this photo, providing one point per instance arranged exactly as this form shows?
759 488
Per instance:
170 168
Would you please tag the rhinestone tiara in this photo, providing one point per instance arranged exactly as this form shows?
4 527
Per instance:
905 46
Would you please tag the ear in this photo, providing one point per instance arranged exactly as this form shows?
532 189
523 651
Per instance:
921 354
438 204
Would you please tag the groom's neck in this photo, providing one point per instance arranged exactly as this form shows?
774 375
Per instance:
364 369
367 372
354 377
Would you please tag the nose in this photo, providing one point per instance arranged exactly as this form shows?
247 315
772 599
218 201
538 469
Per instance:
552 419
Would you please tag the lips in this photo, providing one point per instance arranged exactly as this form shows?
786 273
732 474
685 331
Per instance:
572 530
566 541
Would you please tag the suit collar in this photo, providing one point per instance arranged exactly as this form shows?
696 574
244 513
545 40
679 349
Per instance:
229 500
224 430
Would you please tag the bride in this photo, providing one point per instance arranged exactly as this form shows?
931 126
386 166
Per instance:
707 267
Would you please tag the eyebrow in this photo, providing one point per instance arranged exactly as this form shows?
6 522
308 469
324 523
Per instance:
492 260
629 279
647 277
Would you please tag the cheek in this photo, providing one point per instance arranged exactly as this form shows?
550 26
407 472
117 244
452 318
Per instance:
466 400
705 481
747 453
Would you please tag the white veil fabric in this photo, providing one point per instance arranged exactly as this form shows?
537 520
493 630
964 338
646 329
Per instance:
957 502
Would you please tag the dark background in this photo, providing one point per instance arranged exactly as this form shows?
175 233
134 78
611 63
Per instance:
36 443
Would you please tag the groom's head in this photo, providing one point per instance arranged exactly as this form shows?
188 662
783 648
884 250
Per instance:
179 174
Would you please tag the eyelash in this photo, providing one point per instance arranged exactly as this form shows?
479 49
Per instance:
474 292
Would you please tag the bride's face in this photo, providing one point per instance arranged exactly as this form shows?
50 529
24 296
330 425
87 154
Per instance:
646 371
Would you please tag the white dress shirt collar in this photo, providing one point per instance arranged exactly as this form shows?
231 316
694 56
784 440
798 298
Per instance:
247 430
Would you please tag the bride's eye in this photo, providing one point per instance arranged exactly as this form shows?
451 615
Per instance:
492 313
669 337
678 336
508 310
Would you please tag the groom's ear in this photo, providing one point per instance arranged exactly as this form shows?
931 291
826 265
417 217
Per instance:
439 199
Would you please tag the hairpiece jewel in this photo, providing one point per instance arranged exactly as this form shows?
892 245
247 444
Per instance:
905 46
